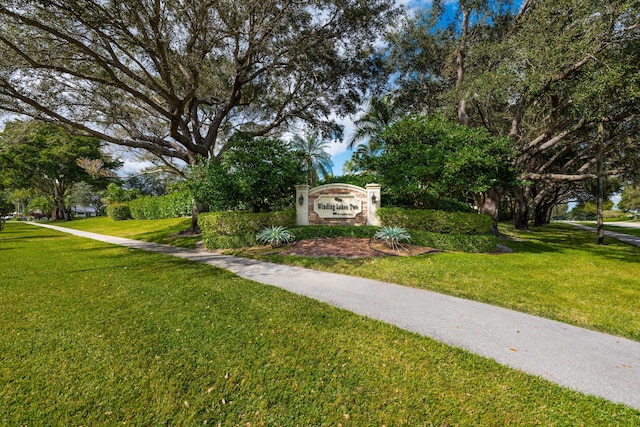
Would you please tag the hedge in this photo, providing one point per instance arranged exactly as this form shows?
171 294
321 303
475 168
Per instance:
436 221
118 212
172 205
455 242
236 229
319 231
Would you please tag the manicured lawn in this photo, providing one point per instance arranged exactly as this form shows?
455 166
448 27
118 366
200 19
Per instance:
557 272
633 231
98 334
166 231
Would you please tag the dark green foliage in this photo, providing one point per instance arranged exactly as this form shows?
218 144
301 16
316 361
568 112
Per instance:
318 231
359 180
426 157
436 221
630 200
429 201
235 229
5 203
118 212
116 194
172 205
471 243
47 159
258 174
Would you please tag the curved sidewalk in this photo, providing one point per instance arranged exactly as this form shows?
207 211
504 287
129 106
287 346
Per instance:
583 360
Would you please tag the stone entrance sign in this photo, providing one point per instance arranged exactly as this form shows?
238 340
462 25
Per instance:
337 204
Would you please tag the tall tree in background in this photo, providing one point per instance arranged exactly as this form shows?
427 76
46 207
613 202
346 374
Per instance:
380 113
46 158
630 200
313 150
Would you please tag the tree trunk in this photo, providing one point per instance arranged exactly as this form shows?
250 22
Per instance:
521 220
463 116
490 205
600 187
196 209
542 214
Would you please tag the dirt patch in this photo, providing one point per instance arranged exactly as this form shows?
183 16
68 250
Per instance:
348 247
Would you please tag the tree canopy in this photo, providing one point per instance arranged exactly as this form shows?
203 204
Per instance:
559 78
257 174
46 158
180 78
430 157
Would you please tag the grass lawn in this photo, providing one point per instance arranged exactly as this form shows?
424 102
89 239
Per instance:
165 231
99 334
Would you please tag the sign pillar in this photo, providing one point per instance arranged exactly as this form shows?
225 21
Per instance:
373 202
302 204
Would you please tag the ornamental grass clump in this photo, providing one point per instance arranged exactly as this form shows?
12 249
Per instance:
275 236
392 235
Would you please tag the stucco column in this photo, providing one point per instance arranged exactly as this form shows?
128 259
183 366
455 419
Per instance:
302 204
373 202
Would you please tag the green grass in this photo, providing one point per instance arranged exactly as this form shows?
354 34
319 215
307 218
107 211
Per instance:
557 272
633 231
98 334
165 231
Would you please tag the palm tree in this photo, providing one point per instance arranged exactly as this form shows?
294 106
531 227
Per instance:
381 112
315 156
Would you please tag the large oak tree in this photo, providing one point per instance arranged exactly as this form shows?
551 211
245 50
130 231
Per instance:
179 78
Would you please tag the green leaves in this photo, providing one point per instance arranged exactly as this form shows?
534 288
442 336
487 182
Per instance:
255 173
275 236
392 235
423 155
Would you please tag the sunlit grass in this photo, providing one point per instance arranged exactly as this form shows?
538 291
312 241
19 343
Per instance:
97 334
166 231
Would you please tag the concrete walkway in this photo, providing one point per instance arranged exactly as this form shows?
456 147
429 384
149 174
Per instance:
586 361
633 240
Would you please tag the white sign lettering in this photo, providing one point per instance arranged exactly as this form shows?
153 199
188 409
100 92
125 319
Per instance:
337 206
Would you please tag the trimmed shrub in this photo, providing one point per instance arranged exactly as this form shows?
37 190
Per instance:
118 212
318 231
172 205
436 221
236 229
455 242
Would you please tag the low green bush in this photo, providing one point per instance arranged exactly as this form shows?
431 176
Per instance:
118 212
172 205
318 231
436 221
236 229
455 242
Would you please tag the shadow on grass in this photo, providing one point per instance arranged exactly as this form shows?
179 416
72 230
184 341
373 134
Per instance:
562 238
